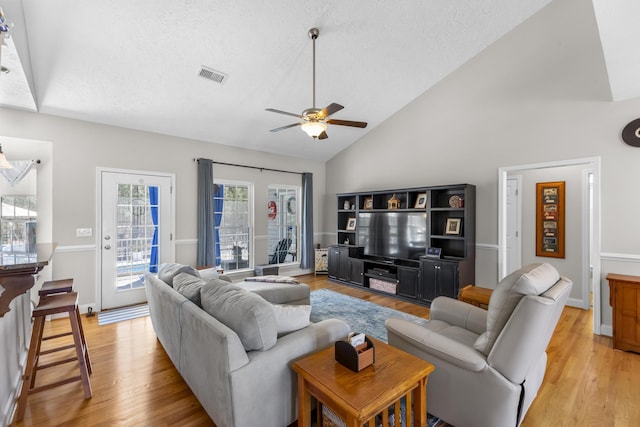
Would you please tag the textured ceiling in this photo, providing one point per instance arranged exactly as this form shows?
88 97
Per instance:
135 64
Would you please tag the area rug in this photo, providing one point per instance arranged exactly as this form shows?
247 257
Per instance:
120 314
361 315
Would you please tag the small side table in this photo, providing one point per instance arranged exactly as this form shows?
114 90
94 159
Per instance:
322 264
357 397
476 296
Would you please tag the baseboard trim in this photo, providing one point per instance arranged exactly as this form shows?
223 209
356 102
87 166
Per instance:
606 330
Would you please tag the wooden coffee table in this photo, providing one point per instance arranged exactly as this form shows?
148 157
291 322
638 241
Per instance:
357 397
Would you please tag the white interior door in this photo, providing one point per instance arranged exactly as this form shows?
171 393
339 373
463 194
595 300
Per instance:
135 234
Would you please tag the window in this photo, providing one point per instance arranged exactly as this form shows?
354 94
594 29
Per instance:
18 229
283 223
232 219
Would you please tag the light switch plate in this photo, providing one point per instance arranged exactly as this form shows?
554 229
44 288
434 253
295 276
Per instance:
83 232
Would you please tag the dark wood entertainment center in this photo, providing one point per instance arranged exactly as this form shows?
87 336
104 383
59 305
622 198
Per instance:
416 243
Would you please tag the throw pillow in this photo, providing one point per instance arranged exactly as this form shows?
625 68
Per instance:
167 271
212 273
189 286
247 314
534 279
290 318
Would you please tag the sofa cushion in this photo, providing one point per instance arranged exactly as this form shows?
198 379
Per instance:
250 316
290 318
533 279
189 286
167 272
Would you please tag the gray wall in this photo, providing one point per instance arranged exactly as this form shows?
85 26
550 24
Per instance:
539 94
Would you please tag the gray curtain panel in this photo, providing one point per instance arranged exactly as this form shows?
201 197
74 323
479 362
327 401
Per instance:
306 248
206 241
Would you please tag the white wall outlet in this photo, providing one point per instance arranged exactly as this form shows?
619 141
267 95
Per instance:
83 232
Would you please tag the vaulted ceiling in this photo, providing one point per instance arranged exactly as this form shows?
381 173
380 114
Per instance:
136 64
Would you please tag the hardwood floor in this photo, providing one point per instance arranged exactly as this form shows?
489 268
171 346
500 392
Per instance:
135 384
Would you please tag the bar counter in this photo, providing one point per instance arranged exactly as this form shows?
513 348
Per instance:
16 278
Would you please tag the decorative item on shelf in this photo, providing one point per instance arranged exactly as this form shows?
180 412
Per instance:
456 201
368 203
454 226
347 205
393 202
351 224
421 201
434 252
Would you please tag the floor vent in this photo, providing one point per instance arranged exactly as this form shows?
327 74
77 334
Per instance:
211 74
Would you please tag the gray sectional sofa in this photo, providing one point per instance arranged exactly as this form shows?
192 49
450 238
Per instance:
232 353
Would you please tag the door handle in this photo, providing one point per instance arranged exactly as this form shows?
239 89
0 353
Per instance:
107 246
107 237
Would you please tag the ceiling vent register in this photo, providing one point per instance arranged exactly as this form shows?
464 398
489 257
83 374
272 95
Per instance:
214 75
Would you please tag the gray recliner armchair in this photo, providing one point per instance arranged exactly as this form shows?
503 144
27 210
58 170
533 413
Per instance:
489 364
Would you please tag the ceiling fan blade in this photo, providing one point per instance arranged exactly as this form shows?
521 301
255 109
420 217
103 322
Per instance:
347 123
329 110
323 135
285 127
273 110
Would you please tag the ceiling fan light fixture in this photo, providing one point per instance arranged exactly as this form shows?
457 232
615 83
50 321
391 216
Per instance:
314 129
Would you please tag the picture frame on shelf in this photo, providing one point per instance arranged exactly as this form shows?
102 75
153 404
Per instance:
421 201
454 226
368 203
351 224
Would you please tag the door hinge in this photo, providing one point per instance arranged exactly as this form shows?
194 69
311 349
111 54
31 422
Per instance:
171 236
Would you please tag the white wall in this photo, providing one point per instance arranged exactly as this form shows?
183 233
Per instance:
539 94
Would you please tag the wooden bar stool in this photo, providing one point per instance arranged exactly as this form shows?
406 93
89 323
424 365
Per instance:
60 286
55 304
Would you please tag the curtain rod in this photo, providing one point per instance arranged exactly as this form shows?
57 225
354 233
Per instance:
250 167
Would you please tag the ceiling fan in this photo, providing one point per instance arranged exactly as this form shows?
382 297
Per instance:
314 120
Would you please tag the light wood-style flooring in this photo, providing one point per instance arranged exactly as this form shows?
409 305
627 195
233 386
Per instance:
135 384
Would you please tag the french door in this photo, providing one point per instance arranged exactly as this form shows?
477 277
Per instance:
135 233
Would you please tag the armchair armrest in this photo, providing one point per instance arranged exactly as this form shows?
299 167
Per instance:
409 336
458 313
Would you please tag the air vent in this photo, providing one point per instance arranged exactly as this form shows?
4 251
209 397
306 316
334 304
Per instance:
211 74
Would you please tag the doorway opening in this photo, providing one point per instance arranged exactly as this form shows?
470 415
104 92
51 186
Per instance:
588 278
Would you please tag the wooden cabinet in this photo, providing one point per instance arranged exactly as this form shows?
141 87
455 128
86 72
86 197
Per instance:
345 264
438 278
408 281
356 271
624 298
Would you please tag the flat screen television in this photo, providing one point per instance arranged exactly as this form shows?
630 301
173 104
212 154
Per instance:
393 235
